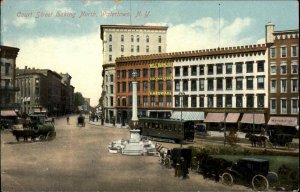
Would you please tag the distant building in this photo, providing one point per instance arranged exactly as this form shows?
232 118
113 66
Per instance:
67 92
126 40
283 55
7 76
86 105
44 89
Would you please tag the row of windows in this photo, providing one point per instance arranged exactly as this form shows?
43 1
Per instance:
160 84
284 85
283 51
153 72
122 48
284 68
155 101
283 105
6 70
219 101
221 83
122 38
219 68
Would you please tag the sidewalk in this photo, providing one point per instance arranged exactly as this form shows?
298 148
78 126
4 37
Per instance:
98 123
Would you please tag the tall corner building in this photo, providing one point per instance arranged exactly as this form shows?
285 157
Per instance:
125 40
283 56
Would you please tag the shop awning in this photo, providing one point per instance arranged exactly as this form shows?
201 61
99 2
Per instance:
8 113
232 117
250 117
285 121
214 118
188 115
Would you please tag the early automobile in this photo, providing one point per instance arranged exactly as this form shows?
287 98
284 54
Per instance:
252 171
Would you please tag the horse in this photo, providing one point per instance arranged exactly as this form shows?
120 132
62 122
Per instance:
256 139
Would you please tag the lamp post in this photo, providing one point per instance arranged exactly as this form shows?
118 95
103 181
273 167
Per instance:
224 128
181 95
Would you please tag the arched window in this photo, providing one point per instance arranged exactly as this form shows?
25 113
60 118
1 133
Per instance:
122 38
110 48
137 38
132 39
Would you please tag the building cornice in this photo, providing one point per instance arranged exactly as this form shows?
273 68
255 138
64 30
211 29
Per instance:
196 54
9 52
135 27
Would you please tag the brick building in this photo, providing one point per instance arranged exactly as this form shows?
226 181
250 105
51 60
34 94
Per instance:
283 56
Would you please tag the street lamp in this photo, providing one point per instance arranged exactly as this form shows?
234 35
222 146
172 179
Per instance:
181 95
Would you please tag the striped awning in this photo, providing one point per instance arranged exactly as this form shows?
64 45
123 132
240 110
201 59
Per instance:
8 113
188 115
214 118
232 117
285 121
253 118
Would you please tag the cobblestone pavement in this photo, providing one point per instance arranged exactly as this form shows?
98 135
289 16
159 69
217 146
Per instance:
78 160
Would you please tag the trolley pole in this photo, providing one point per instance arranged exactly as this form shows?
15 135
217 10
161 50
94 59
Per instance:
181 94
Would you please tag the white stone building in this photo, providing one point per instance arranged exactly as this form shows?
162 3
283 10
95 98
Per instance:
125 40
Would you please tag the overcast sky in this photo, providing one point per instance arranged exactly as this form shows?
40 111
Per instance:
64 35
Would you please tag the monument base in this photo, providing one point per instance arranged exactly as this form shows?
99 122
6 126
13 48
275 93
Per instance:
134 124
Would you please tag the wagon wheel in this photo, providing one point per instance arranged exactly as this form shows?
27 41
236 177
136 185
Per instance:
272 178
260 183
194 164
288 145
269 144
50 135
292 176
42 137
167 162
227 179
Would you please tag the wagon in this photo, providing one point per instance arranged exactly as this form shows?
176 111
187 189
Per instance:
281 139
252 171
80 121
37 127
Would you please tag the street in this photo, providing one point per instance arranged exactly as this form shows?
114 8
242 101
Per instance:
78 160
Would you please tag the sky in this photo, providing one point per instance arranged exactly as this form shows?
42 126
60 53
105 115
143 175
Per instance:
64 35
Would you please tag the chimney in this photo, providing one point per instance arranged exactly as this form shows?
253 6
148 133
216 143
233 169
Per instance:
269 33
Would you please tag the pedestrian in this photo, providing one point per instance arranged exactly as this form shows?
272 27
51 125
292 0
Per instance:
184 168
68 119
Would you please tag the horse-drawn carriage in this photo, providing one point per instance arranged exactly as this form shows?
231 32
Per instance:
248 170
275 139
80 120
37 127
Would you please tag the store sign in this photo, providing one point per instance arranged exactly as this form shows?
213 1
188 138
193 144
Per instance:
160 92
161 78
160 65
235 110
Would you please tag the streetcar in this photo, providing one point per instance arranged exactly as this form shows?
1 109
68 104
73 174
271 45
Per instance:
170 129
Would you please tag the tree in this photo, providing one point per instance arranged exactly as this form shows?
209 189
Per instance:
78 99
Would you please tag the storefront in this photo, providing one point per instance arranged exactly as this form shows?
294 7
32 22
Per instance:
214 121
287 125
252 122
